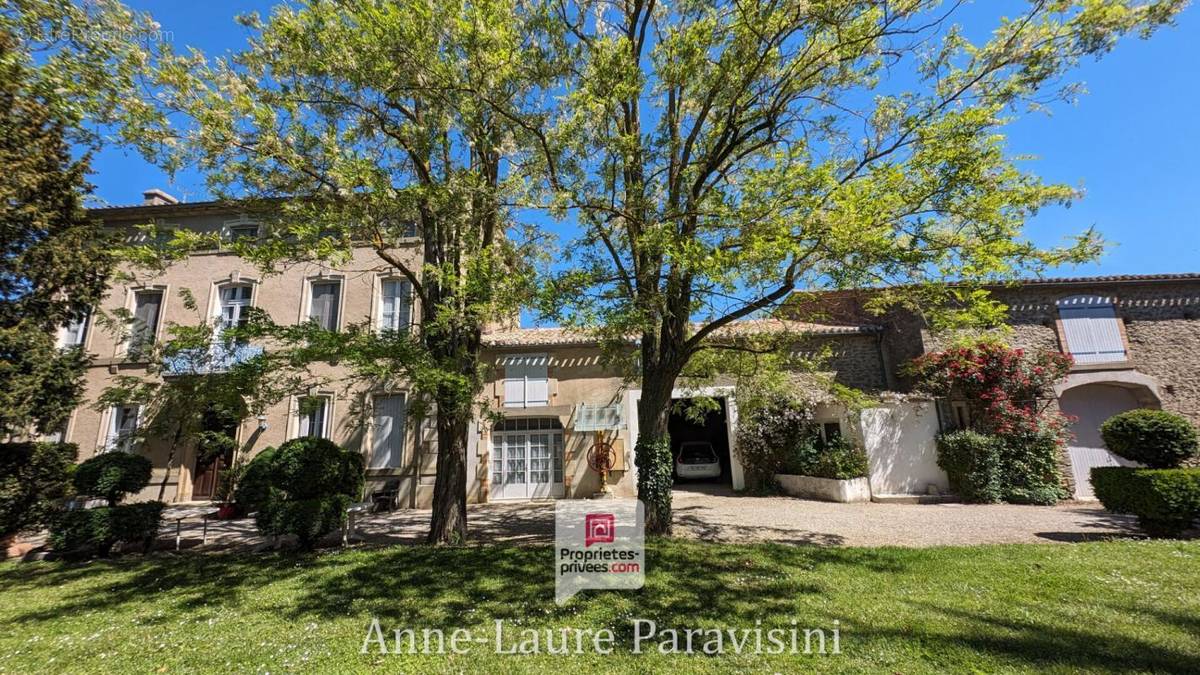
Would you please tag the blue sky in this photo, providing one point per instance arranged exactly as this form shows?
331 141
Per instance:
1131 143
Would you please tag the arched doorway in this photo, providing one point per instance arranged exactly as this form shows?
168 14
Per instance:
1092 404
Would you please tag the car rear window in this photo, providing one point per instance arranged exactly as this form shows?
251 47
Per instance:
697 453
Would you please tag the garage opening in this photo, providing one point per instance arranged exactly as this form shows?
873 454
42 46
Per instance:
700 449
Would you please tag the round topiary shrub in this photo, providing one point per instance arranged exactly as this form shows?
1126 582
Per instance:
112 475
302 488
1156 438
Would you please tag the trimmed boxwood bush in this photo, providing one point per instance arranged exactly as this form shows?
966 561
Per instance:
88 532
35 478
1156 438
302 487
1166 501
111 475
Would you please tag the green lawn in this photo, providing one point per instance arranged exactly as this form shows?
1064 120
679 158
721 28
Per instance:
1095 606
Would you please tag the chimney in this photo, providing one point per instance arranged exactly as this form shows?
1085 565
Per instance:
156 197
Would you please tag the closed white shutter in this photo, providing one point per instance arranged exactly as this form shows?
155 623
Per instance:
514 385
526 381
387 441
1092 331
537 384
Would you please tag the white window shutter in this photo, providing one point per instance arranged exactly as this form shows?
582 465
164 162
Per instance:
514 385
387 446
537 384
1092 331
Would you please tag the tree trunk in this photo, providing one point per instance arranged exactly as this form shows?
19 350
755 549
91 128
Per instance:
653 451
449 523
162 487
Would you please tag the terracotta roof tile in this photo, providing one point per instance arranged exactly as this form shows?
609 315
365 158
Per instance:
558 336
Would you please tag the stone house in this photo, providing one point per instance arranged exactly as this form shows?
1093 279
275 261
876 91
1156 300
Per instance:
1135 340
543 380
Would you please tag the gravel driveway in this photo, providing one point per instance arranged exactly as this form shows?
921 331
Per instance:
720 515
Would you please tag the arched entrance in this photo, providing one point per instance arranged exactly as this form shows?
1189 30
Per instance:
1092 404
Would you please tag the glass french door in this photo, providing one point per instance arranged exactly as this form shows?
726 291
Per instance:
527 457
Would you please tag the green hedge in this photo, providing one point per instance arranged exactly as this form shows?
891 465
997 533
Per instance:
840 458
985 469
1166 501
302 487
111 475
1156 438
88 532
35 478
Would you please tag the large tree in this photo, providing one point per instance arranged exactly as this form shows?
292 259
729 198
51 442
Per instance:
367 123
69 73
727 153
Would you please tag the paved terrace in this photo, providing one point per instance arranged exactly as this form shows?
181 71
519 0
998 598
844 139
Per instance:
720 515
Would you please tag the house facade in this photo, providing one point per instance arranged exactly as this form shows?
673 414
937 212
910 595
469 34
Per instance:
1136 341
547 387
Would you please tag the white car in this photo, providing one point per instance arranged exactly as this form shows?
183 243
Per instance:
697 459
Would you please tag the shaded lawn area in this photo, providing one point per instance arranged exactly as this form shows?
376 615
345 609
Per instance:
1122 605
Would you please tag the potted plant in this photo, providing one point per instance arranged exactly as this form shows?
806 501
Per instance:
227 508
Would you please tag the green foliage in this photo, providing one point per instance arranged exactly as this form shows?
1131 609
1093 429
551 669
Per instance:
1166 501
1156 438
781 431
656 468
111 475
840 458
88 532
35 478
972 462
213 444
301 488
54 261
254 488
985 468
721 155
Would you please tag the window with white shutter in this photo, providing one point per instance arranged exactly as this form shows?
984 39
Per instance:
1091 330
387 432
526 381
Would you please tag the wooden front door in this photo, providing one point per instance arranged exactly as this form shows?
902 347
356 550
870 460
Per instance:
205 477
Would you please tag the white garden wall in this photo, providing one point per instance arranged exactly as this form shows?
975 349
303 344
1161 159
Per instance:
901 442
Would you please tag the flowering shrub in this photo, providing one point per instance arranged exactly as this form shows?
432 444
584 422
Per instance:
1001 386
779 431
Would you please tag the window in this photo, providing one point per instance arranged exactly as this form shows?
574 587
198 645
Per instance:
831 431
234 302
74 333
526 382
315 416
122 428
1091 330
395 305
387 432
147 306
242 232
323 306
